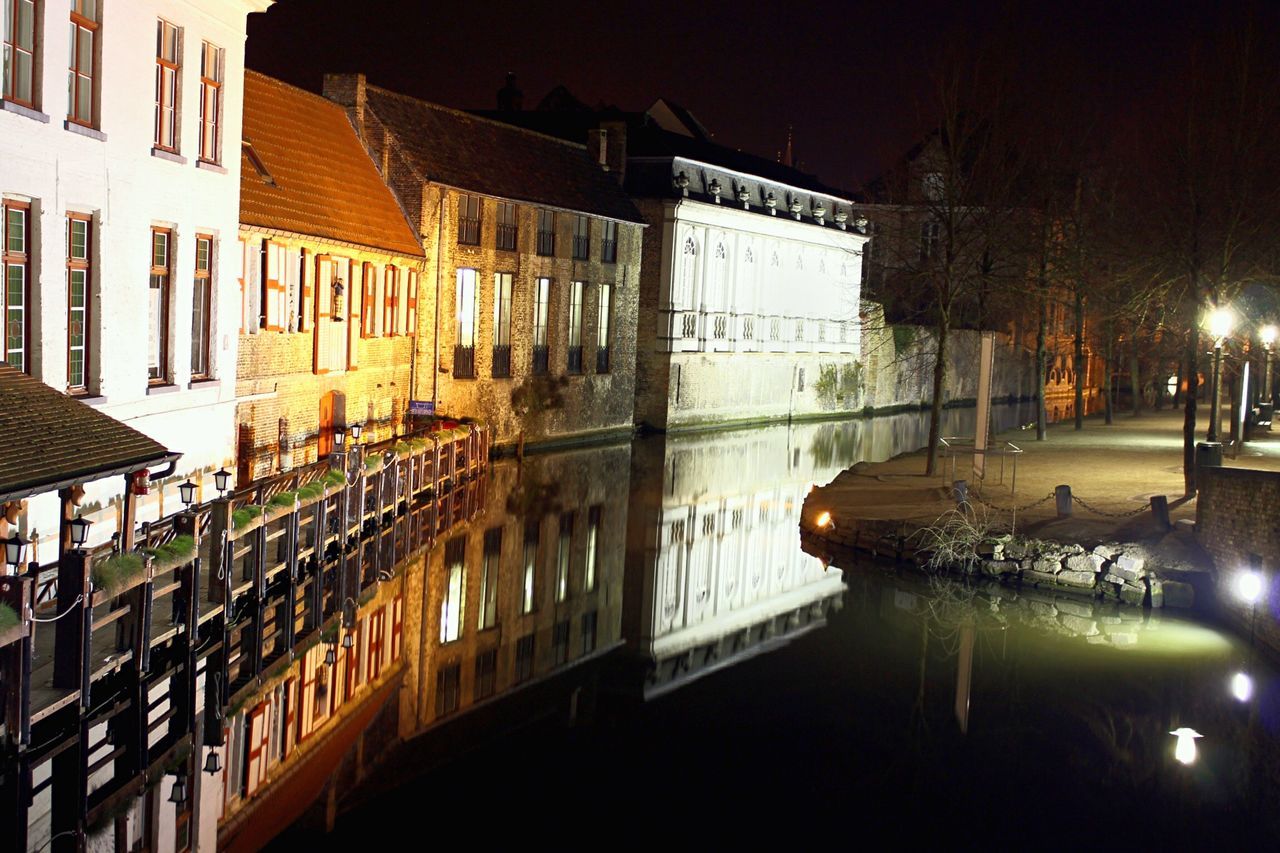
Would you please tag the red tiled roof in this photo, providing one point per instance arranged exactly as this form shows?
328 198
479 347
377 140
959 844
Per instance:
322 182
55 440
480 155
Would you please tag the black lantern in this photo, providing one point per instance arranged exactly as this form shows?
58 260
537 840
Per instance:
356 429
221 479
339 436
338 302
187 491
348 641
14 547
79 531
330 657
213 764
178 795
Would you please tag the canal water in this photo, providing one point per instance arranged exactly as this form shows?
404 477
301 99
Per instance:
657 661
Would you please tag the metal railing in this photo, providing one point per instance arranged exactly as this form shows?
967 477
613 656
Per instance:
502 361
953 447
505 238
574 362
464 362
541 359
546 242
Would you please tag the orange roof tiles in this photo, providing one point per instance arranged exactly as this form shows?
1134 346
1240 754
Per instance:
322 182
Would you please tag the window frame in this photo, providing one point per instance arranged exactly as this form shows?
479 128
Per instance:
507 210
546 232
609 243
390 300
581 237
467 222
471 276
211 87
75 77
163 66
573 331
8 86
275 294
14 258
84 265
541 348
604 326
165 273
368 303
503 293
202 282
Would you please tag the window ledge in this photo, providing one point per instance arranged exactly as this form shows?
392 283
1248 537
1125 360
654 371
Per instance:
211 167
161 389
36 115
171 156
92 400
84 131
204 384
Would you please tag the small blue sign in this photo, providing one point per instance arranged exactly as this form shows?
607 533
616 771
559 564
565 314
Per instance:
422 408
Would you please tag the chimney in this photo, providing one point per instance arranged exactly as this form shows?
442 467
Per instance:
613 146
510 98
598 146
349 91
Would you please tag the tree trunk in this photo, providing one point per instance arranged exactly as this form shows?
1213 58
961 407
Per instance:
1078 361
1135 380
1189 412
1108 359
939 382
1177 385
1042 370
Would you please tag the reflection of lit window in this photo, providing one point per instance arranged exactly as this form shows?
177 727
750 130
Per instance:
588 632
489 579
451 606
563 550
933 186
448 689
560 642
593 548
527 599
524 658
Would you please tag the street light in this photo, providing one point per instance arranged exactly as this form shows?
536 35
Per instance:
178 795
356 429
339 436
213 764
187 491
14 547
1268 337
1219 323
1185 751
221 480
79 531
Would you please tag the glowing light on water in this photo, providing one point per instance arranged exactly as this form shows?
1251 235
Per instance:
1242 686
1185 750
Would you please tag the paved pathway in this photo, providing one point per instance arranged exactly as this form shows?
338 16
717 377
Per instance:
1113 469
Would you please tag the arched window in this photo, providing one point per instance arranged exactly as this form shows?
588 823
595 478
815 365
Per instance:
683 295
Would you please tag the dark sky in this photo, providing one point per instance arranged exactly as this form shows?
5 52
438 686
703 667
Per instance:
850 77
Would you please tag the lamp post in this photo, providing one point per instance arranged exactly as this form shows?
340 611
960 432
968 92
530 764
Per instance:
1268 337
1219 323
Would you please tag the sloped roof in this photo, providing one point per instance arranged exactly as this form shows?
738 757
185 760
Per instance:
321 181
56 440
494 158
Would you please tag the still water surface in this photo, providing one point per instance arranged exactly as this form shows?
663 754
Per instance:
735 690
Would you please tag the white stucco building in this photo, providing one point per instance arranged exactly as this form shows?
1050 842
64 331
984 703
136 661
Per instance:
119 171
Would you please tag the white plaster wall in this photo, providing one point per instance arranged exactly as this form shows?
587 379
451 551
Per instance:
127 190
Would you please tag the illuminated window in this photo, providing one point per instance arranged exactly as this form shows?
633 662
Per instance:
930 232
603 326
78 283
488 610
574 362
452 605
168 69
464 349
541 314
80 88
502 324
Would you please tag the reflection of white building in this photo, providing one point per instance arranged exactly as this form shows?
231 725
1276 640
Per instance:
714 564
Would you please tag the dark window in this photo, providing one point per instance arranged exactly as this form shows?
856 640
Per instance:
448 689
524 658
609 243
560 642
546 232
929 234
588 632
505 236
488 611
19 52
486 674
581 238
469 220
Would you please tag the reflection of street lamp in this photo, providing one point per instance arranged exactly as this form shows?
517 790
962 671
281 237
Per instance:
1185 750
1219 323
1242 686
1268 338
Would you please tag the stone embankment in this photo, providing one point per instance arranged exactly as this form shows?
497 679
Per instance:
1121 572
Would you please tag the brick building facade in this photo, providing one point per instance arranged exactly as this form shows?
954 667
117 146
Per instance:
533 253
330 285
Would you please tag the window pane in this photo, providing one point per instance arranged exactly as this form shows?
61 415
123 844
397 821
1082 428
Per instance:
84 52
159 252
17 232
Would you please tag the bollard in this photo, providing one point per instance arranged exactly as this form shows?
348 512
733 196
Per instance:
960 491
1062 498
1160 511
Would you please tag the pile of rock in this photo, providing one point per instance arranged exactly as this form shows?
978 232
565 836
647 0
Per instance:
1114 570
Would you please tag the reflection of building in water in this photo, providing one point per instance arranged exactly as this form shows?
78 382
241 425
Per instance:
714 566
531 587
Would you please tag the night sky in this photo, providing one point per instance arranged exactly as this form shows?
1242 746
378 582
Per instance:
850 77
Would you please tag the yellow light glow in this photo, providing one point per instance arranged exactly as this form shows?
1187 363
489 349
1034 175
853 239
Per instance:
1185 750
1268 335
823 519
1249 586
1220 321
1242 687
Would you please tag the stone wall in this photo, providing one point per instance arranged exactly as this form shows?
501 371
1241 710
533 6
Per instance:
1238 523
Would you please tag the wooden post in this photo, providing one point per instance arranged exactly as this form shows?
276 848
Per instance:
16 591
187 606
220 572
71 632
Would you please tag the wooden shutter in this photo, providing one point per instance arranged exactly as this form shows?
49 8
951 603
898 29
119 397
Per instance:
291 695
411 313
306 301
273 292
259 738
367 305
244 290
307 706
324 308
389 305
355 292
362 651
375 645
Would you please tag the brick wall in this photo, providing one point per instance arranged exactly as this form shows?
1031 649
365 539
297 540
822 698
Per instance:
1238 523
